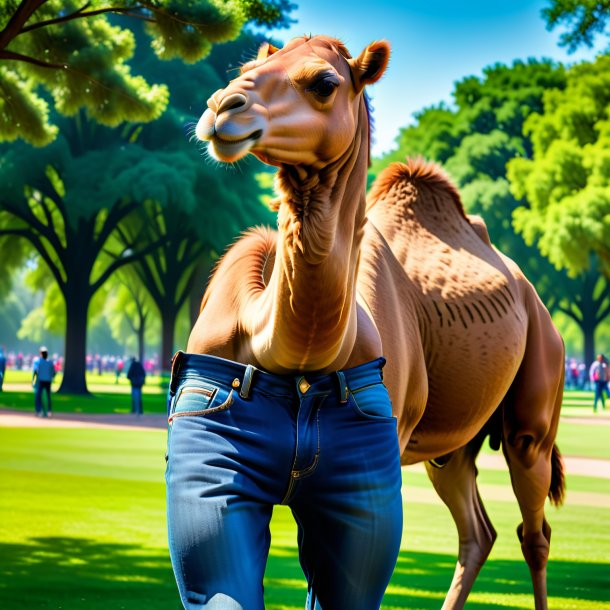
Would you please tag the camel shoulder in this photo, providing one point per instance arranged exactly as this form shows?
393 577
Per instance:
248 261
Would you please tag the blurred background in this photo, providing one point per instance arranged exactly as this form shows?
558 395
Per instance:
112 216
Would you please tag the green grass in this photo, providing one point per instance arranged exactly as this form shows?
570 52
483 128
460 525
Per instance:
82 526
101 402
106 395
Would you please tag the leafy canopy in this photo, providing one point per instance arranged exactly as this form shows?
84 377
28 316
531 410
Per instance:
73 55
583 20
566 185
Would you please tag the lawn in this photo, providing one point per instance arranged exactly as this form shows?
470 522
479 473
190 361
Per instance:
107 396
82 525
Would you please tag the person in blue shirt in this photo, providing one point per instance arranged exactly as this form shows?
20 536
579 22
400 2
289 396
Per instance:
2 367
42 377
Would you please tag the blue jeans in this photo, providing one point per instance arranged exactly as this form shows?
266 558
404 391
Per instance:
42 386
601 388
136 400
241 441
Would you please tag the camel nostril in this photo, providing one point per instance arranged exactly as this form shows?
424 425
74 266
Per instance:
235 100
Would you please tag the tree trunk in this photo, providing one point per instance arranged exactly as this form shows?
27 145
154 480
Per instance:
168 325
588 331
200 283
77 304
141 340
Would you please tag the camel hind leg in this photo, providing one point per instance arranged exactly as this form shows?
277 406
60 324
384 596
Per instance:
531 416
455 482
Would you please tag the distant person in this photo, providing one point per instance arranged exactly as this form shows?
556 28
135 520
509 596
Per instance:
599 373
42 376
119 369
137 377
2 367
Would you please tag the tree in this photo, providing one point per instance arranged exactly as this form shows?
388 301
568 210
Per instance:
68 207
132 311
584 20
476 137
565 186
589 307
194 219
79 57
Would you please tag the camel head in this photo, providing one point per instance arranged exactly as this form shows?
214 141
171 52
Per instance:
299 105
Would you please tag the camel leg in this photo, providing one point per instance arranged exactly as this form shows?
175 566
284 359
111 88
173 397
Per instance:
531 416
531 487
456 485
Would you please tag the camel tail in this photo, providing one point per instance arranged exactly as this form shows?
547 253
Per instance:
558 482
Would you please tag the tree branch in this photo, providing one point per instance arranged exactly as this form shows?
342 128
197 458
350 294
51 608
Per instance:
32 221
120 262
186 289
15 25
30 60
570 312
115 215
39 247
82 14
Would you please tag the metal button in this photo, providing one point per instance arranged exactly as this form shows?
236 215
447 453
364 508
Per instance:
236 383
303 385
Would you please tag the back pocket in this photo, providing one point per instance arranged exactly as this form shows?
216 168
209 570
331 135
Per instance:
200 398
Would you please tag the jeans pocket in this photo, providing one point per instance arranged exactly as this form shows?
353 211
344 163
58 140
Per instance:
199 398
372 402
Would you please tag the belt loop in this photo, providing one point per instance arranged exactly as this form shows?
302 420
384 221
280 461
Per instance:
173 380
343 389
244 391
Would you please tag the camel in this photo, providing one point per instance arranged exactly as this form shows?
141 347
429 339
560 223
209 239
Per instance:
471 350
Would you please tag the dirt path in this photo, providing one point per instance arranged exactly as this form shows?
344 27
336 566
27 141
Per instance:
117 421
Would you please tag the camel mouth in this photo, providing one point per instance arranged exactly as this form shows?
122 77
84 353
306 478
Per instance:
229 151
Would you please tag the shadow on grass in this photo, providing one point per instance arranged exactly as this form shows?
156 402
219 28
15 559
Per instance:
70 573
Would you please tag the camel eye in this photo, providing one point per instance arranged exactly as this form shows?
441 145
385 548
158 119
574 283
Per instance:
325 87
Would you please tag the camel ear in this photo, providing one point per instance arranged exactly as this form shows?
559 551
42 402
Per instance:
265 50
370 65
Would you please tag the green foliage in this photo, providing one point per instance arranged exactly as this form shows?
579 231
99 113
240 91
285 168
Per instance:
497 120
130 311
73 55
476 137
566 185
584 20
96 199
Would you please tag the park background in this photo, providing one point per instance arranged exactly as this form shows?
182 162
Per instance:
111 218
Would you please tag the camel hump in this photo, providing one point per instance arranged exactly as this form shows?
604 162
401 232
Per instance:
421 174
480 228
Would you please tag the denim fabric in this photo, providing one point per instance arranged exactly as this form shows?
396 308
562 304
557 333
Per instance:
136 400
600 388
241 441
42 386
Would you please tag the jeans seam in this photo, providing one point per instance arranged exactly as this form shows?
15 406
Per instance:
222 407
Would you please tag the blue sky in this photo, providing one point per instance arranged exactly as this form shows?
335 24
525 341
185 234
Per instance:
434 43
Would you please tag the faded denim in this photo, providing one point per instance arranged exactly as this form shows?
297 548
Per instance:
241 441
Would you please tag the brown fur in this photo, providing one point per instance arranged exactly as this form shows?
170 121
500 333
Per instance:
470 348
419 172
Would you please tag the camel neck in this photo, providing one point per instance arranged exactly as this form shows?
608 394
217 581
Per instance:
310 297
